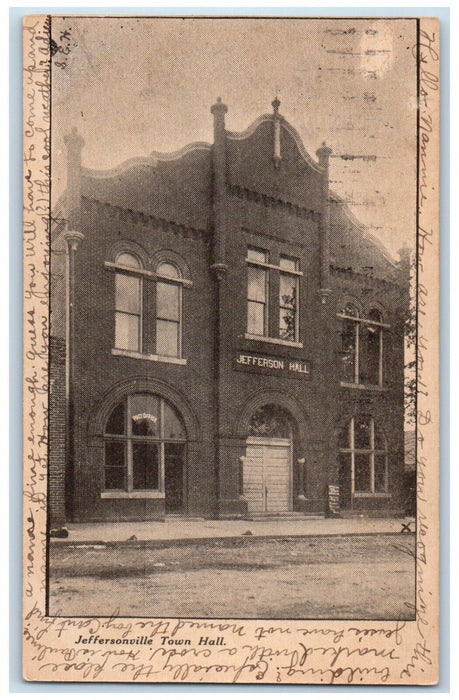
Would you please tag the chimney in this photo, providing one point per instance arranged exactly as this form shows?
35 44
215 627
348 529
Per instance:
405 256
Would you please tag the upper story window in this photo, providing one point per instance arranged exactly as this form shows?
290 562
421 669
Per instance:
350 345
374 348
168 310
257 292
362 346
288 299
266 318
128 304
148 306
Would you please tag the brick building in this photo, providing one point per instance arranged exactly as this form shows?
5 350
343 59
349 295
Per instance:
227 338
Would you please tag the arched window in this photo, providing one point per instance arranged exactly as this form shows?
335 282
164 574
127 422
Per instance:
350 345
363 457
148 304
128 260
374 339
168 310
361 347
128 304
144 446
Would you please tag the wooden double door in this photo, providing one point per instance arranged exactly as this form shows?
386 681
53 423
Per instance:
267 475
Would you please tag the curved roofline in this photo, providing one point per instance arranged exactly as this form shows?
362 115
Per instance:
364 229
121 168
189 148
241 135
150 160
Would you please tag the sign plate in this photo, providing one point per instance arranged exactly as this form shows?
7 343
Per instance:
268 364
333 500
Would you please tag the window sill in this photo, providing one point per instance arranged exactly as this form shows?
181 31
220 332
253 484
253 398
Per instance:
273 341
152 358
146 273
269 266
132 494
363 387
373 495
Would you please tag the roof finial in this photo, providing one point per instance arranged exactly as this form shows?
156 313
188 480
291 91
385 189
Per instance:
277 140
219 108
324 153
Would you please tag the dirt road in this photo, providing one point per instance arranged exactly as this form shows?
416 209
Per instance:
352 577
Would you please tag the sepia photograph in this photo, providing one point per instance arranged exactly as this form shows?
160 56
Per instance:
230 306
233 370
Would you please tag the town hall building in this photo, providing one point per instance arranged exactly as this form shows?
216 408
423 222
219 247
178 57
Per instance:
227 340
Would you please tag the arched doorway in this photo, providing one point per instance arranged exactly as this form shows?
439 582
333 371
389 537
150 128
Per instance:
144 449
267 465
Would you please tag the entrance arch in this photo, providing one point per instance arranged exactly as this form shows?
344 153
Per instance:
274 429
300 420
267 471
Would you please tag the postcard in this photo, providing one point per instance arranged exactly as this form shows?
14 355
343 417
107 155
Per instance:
231 349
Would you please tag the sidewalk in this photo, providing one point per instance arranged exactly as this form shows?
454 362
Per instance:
177 530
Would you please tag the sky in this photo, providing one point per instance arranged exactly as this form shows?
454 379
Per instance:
135 85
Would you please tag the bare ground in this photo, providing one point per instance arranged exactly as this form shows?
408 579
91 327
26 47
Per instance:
352 577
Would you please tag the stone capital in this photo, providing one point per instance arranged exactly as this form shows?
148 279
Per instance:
324 294
73 239
219 270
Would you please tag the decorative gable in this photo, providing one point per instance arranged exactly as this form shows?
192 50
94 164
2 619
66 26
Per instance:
269 157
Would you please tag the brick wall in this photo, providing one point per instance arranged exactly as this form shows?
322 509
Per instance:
169 207
57 419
